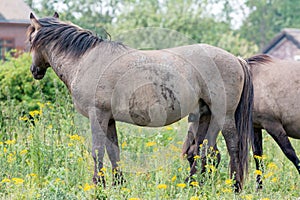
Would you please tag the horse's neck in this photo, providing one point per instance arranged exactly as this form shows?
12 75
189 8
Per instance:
64 67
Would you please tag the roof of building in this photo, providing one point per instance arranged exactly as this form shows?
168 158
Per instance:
291 34
14 11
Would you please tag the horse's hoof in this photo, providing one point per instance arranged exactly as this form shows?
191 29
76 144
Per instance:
237 187
118 178
259 186
99 181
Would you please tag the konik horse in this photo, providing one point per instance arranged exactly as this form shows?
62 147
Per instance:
112 82
276 109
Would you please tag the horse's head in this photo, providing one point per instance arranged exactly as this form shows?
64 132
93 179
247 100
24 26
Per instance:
40 61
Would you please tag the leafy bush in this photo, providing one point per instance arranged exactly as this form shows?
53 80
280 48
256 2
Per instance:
18 86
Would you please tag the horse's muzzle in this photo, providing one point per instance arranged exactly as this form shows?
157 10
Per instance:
37 72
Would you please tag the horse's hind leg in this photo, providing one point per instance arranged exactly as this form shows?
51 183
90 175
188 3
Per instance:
279 135
257 154
231 136
196 134
113 151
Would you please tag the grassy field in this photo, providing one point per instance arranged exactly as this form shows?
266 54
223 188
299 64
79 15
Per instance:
48 156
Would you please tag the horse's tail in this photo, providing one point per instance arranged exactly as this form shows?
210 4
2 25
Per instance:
243 120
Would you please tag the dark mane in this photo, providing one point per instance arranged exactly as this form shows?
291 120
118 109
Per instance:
259 59
65 37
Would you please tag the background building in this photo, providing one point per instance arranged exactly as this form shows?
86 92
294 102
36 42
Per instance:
14 20
285 45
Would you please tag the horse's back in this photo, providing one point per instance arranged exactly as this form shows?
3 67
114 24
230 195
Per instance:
276 92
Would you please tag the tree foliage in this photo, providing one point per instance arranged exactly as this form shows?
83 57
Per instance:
268 17
197 20
18 86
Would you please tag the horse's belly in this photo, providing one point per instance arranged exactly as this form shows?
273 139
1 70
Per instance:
151 105
155 115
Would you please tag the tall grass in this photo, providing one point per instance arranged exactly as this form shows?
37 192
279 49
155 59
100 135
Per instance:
46 154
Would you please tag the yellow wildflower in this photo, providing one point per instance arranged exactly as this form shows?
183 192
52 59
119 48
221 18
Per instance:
197 157
41 105
258 157
248 197
264 157
87 187
179 142
170 138
169 128
33 175
194 183
4 149
181 185
23 152
226 190
269 174
265 199
194 198
70 144
258 172
17 181
125 189
274 180
1 143
75 137
124 144
50 126
211 168
134 198
173 178
24 118
150 144
228 181
101 172
9 142
205 141
162 186
34 113
272 166
5 180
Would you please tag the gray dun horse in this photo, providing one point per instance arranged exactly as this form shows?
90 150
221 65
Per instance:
276 109
112 82
276 105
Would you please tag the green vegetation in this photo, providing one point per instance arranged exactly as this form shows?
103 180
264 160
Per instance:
18 87
45 145
52 160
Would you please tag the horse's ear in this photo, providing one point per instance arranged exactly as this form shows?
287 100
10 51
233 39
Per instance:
34 22
56 15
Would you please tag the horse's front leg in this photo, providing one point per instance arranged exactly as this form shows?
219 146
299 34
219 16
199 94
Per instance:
99 124
113 151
